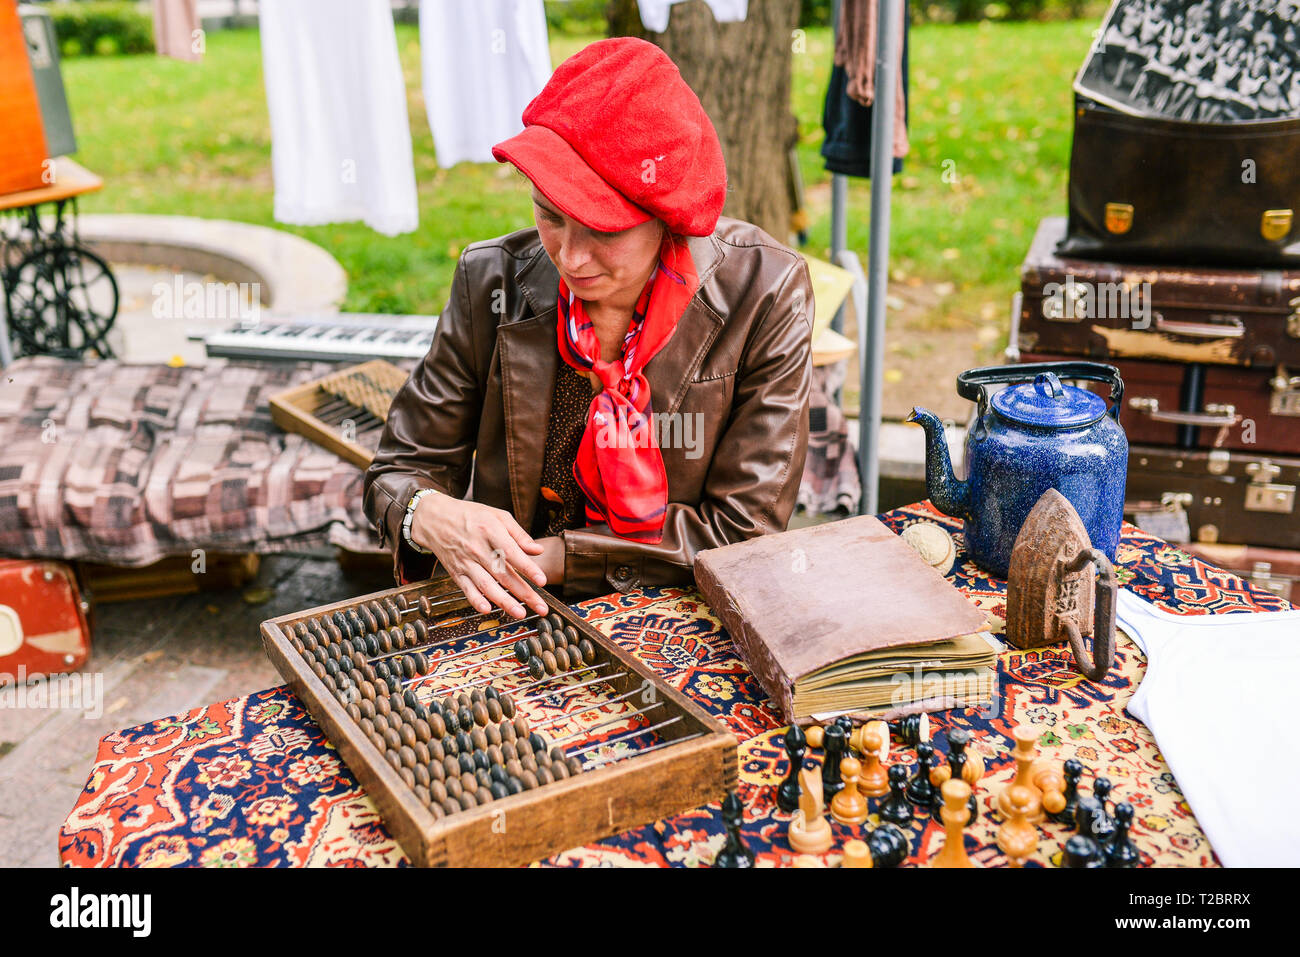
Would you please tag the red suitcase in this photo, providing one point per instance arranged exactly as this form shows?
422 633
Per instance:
1100 310
1243 409
44 621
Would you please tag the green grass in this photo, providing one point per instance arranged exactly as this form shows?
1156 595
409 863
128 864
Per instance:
184 139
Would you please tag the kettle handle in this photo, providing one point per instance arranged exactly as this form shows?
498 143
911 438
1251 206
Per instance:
971 383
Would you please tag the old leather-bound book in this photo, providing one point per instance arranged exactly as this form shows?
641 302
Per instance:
846 618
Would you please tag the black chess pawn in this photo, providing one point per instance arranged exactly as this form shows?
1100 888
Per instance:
1102 824
912 729
1072 771
734 853
1081 851
796 745
836 744
1086 808
919 789
845 722
1120 852
889 846
895 808
958 738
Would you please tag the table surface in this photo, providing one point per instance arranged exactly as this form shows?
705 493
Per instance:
252 781
70 179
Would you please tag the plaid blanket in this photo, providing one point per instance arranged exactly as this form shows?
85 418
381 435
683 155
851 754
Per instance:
128 463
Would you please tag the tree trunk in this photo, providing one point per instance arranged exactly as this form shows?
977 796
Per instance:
741 73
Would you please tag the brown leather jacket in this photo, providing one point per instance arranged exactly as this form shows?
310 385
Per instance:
739 363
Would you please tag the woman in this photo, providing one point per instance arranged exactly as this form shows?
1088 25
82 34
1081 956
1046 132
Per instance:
627 382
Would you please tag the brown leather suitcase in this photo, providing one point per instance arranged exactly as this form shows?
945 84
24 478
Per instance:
1273 569
1102 310
1199 406
1213 495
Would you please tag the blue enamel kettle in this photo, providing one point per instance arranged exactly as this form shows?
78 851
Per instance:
1038 434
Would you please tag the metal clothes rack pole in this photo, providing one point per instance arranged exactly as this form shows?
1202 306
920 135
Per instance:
869 290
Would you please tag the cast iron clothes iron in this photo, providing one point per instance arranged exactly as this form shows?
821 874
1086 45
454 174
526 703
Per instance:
1051 595
1030 437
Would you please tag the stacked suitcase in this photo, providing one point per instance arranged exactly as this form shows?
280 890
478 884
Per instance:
1211 366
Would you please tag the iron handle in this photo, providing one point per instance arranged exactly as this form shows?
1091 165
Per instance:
1103 616
1213 416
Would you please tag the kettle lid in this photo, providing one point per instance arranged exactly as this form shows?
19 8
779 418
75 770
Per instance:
1048 404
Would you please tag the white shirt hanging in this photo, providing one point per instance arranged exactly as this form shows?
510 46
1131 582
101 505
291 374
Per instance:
1218 696
340 135
484 61
654 13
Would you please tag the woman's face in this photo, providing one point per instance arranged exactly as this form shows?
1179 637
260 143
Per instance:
611 268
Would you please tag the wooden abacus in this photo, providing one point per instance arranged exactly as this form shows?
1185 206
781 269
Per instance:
322 409
517 796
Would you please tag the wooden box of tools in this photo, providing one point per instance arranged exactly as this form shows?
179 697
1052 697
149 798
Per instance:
694 763
345 411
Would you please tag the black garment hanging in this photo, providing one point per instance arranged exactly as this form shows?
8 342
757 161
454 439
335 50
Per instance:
847 147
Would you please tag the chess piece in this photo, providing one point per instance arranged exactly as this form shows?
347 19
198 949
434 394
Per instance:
846 724
849 807
1050 781
912 729
734 853
836 743
796 745
810 832
1017 837
814 735
1121 852
874 781
889 846
919 789
895 809
955 815
958 738
1072 770
1081 851
1102 826
856 854
1026 752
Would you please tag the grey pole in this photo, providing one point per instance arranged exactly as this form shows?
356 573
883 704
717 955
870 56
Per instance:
839 194
871 339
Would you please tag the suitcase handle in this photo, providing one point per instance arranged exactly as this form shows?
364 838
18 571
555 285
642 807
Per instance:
1233 329
1214 416
971 383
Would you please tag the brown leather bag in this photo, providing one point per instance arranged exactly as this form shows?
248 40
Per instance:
1160 191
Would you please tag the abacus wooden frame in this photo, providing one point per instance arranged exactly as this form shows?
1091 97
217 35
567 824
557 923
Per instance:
535 824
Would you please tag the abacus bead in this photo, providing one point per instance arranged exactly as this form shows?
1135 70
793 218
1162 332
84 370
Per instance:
367 726
407 777
548 641
409 715
557 754
422 754
381 703
394 740
421 662
467 800
520 726
544 775
392 758
297 644
465 718
530 780
559 770
496 757
437 773
354 713
436 750
465 762
549 662
437 726
536 668
408 735
421 791
453 785
575 766
543 625
463 741
422 730
536 741
478 739
385 642
328 682
528 760
588 651
438 790
492 733
396 701
514 785
562 658
421 631
521 651
367 707
319 671
507 705
368 618
378 741
407 755
394 613
499 790
468 782
508 749
484 780
451 766
514 767
479 713
556 621
493 711
450 806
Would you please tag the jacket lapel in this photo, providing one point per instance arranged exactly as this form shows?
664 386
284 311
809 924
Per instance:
530 360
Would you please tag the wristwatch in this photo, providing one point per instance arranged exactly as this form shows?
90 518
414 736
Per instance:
410 517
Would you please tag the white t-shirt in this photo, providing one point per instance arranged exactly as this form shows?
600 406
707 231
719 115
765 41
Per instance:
654 13
1219 695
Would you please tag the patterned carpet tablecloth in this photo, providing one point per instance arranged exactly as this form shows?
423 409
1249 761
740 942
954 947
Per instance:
253 782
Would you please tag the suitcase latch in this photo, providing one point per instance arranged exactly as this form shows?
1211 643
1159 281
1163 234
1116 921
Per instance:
1265 495
1286 393
1275 224
1293 320
1262 576
1119 218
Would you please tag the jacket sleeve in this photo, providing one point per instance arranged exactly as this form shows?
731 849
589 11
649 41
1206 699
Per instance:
428 441
753 479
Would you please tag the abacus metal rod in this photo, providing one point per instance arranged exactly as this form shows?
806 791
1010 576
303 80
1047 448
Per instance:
610 759
623 737
587 730
490 678
562 689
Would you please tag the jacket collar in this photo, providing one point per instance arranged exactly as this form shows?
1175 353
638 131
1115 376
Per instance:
530 359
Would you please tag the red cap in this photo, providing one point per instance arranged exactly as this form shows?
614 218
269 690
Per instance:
616 138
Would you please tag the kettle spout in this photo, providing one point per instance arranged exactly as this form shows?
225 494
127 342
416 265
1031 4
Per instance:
949 495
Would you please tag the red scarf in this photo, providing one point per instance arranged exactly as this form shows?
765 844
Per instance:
620 468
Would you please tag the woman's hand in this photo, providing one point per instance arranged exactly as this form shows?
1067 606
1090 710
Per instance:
484 550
